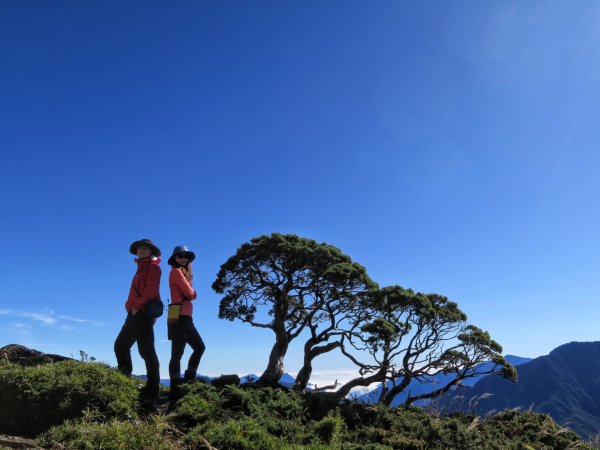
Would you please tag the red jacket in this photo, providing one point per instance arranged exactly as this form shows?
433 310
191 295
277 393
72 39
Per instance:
182 292
145 285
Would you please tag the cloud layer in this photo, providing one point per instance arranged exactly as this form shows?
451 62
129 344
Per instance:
49 318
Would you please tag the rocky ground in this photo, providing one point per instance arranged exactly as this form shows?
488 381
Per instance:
27 357
16 442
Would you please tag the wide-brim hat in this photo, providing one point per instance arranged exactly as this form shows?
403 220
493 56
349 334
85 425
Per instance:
146 243
181 249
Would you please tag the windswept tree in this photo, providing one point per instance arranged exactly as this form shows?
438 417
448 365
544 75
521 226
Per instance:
288 284
417 337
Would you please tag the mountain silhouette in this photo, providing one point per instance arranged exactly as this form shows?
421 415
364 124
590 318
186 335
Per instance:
417 387
564 384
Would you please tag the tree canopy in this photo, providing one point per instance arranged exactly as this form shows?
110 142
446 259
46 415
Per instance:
298 287
416 336
296 283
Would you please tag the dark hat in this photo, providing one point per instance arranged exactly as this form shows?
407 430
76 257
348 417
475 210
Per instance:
181 249
146 243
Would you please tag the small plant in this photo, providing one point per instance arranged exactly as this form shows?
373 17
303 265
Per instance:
84 357
594 441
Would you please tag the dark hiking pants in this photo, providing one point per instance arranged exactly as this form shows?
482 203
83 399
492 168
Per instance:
181 333
138 328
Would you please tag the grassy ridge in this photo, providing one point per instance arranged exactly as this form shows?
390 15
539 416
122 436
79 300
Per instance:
95 408
35 398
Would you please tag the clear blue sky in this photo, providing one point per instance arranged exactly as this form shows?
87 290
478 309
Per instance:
449 147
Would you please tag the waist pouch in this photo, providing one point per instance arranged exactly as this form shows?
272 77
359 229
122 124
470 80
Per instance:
154 308
173 313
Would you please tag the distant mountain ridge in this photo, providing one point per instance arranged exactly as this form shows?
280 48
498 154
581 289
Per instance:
286 380
417 387
564 384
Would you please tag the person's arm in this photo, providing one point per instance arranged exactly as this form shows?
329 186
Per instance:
184 286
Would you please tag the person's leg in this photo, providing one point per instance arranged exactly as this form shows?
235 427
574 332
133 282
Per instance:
193 338
177 347
148 352
122 347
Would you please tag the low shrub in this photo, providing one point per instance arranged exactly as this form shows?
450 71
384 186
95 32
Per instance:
264 402
35 398
201 402
330 430
242 434
532 429
88 406
226 380
155 433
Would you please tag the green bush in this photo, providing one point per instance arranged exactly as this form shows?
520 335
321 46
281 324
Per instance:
531 429
414 428
156 434
330 430
35 398
243 434
226 380
263 402
201 402
92 406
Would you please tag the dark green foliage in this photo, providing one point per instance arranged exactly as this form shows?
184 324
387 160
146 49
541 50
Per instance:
241 434
537 430
331 429
318 406
200 403
251 417
156 434
562 384
413 428
226 380
278 412
264 402
35 398
280 419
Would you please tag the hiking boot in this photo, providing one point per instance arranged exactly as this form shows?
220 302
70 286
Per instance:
149 394
174 392
175 389
189 376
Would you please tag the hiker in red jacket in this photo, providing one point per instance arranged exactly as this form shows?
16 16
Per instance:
139 326
180 323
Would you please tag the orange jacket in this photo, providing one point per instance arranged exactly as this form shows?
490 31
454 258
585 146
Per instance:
182 292
145 285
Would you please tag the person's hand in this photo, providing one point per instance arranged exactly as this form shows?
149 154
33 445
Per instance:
134 311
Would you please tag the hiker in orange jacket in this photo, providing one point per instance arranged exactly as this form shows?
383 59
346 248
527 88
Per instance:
139 325
180 324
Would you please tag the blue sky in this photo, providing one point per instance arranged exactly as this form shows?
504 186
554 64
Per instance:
449 147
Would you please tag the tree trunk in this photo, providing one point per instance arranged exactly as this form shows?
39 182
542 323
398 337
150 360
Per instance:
310 353
384 390
274 369
304 374
360 381
395 390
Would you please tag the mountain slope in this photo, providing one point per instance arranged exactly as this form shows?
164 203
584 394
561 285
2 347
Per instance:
417 387
564 384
